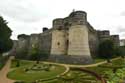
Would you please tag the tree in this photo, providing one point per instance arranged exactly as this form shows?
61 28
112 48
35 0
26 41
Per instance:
35 54
106 49
5 32
38 55
120 51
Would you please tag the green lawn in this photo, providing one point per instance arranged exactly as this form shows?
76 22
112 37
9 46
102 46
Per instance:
22 63
96 60
20 74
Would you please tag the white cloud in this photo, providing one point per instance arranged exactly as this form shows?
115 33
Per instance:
29 16
122 13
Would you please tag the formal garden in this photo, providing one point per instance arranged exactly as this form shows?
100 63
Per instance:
113 72
32 72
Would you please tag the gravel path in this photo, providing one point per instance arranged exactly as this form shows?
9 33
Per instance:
4 71
80 66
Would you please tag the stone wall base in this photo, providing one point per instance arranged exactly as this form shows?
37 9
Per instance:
68 59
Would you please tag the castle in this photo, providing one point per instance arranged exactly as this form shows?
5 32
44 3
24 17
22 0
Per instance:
70 40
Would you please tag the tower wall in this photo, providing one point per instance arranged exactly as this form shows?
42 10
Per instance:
78 43
93 41
78 40
58 42
22 49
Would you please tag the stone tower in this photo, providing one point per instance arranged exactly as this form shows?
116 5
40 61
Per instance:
70 39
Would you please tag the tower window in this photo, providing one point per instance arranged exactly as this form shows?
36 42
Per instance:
67 42
58 43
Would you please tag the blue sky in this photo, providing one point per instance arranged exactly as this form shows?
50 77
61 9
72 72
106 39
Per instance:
29 16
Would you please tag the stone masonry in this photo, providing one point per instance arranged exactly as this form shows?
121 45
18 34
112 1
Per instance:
70 40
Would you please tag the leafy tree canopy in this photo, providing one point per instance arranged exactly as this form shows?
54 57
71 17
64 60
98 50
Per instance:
5 32
120 51
106 49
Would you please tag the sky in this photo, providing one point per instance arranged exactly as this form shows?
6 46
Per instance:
30 16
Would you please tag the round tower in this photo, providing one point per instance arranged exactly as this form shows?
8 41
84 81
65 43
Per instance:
58 23
78 17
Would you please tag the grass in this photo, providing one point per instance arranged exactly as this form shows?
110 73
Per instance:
71 77
119 62
108 67
96 60
22 63
115 63
19 74
75 77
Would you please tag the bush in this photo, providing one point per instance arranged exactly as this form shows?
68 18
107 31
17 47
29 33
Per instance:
120 51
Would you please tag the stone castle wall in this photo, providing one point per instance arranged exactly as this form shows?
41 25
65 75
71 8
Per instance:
105 34
71 40
33 42
115 39
45 42
22 47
